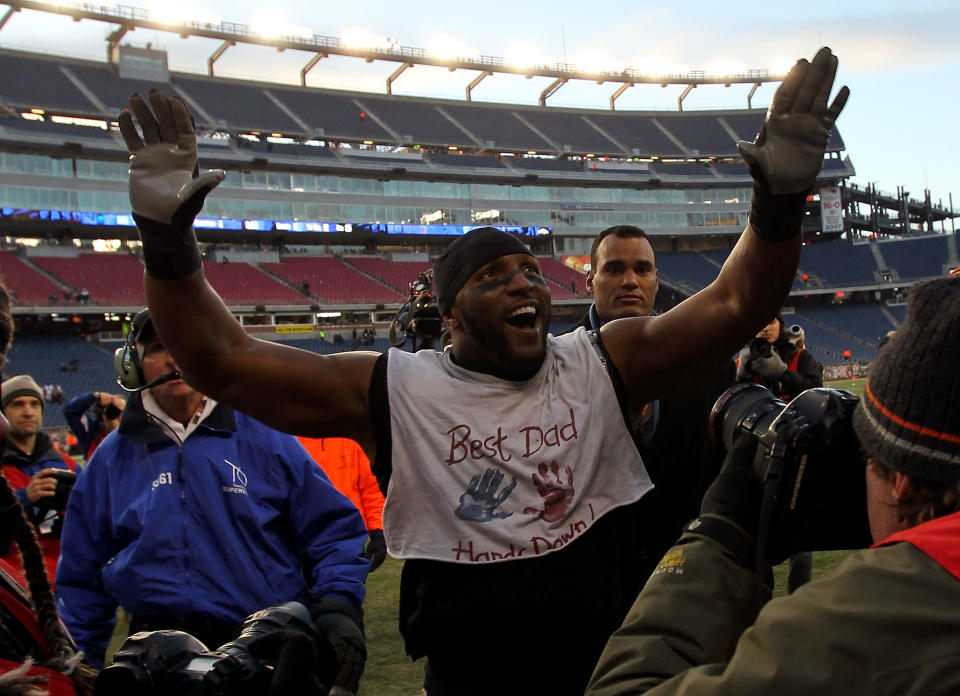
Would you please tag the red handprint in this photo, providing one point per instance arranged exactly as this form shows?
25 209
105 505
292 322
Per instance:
557 496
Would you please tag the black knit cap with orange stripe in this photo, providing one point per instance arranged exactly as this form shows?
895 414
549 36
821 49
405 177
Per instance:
909 416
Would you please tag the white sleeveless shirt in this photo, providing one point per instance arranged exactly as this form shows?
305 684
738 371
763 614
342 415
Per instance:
486 469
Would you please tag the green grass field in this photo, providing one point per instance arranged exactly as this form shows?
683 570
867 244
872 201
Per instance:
390 672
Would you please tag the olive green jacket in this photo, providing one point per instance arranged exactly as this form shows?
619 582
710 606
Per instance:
886 621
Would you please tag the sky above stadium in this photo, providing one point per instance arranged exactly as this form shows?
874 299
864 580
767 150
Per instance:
900 60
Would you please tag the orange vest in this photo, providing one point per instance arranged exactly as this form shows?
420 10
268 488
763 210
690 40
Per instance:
347 467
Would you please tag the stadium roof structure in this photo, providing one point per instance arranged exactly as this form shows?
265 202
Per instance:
127 19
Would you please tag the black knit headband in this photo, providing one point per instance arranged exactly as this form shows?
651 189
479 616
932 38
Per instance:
465 255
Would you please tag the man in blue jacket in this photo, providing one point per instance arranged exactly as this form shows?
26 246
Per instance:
191 516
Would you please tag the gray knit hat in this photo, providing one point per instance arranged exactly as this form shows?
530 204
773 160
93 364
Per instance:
909 416
21 385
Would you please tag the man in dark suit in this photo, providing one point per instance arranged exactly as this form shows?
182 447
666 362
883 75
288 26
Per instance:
672 434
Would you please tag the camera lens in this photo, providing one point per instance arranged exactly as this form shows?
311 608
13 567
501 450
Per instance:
748 408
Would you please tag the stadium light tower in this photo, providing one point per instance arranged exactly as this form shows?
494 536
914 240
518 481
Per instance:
285 35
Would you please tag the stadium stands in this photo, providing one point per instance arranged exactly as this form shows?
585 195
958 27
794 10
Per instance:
745 124
330 114
899 311
234 104
27 285
637 133
30 82
854 327
688 268
244 284
839 264
395 274
571 132
563 276
415 122
497 127
702 135
914 259
331 280
109 89
111 279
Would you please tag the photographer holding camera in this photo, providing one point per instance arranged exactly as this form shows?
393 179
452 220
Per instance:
777 359
191 516
886 621
92 416
40 476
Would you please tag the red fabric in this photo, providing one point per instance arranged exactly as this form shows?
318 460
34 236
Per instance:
792 367
347 467
97 439
11 601
938 538
56 684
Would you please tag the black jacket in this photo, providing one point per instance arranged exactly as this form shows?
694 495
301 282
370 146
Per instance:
681 460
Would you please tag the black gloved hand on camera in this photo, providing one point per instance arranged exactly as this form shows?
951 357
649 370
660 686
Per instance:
300 663
376 551
340 625
730 509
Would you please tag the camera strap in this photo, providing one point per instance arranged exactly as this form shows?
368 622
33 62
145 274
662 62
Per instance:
774 460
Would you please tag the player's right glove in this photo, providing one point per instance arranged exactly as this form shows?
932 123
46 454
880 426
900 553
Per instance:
166 188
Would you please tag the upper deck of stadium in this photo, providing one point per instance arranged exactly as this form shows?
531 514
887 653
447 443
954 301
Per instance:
356 132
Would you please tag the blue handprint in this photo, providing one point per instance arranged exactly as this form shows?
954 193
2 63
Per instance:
480 500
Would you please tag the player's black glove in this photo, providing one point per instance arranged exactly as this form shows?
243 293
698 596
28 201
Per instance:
340 625
166 188
787 154
376 551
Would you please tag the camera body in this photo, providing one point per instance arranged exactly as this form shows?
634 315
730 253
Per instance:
173 662
58 501
808 463
419 318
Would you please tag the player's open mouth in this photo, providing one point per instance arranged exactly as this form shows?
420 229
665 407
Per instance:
524 317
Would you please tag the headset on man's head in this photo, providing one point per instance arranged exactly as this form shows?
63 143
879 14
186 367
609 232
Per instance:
127 359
